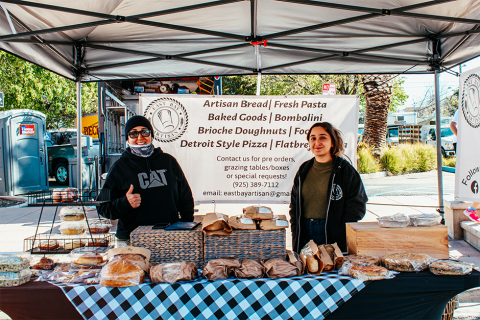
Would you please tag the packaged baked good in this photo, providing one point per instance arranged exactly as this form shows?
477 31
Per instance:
48 245
44 264
89 258
258 212
57 195
220 268
69 194
399 220
173 272
327 256
13 262
216 223
294 258
425 219
121 272
367 273
72 214
311 258
97 243
357 260
241 222
99 226
450 267
279 268
13 279
139 256
88 255
72 227
70 244
278 222
406 262
250 269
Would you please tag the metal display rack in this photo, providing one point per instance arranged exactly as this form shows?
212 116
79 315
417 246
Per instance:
50 198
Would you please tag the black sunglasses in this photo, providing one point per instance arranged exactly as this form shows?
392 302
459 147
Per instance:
144 133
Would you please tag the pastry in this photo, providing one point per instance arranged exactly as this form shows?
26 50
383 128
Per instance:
48 245
44 264
57 195
406 262
99 226
72 214
98 243
370 272
72 244
69 195
361 260
450 267
10 263
89 258
72 228
121 273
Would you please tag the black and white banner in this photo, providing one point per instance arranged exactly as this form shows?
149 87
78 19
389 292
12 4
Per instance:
467 172
245 148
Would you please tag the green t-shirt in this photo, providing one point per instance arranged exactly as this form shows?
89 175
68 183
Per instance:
315 190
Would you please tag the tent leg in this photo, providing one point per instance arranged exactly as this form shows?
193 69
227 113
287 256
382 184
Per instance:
79 135
439 144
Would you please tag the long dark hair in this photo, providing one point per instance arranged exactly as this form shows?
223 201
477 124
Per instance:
335 135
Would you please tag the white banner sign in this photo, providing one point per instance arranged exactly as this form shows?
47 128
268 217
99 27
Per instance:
467 171
244 148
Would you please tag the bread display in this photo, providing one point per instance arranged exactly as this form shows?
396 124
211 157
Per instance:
399 220
250 269
44 264
406 262
366 273
99 226
450 267
121 272
48 245
72 228
279 268
173 272
258 213
89 258
11 263
72 214
425 219
13 279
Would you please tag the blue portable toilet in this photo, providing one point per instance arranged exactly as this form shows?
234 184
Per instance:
23 165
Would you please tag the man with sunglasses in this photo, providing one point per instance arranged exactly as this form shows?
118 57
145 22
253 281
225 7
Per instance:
147 186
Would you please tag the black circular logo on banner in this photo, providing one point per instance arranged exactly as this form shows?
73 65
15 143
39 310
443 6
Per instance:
471 100
168 118
474 187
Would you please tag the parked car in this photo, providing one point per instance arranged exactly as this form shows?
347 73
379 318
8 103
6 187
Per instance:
429 136
392 136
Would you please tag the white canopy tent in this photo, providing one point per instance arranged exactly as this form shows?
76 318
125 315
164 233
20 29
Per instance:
93 40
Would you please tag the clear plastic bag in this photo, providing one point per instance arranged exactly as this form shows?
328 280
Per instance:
425 220
13 279
357 260
399 220
121 272
88 255
406 262
450 267
44 264
14 262
72 214
99 226
73 227
371 272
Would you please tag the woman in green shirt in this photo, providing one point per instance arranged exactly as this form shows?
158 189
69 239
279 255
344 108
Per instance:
327 192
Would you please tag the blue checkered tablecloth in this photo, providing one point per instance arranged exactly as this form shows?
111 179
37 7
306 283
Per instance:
304 297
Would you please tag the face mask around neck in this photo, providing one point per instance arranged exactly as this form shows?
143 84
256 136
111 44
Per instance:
144 150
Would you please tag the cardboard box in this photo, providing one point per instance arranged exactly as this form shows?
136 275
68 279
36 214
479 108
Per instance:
370 239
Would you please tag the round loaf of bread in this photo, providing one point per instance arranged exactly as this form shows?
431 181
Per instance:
449 267
370 272
89 258
406 262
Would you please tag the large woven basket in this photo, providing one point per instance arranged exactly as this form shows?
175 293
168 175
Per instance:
449 309
170 246
246 244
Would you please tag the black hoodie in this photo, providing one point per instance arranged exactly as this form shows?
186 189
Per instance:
347 203
163 188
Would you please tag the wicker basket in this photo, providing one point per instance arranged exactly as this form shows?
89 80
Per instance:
170 246
449 309
246 244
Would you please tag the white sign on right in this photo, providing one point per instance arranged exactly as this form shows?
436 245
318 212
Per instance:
467 172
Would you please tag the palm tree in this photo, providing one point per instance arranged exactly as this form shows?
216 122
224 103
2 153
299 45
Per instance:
378 91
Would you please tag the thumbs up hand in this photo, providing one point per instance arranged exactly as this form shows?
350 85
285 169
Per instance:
133 198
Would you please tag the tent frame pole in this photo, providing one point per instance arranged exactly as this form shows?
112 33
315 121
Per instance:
439 143
79 135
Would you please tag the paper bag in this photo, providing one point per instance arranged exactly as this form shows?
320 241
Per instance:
311 258
216 223
242 223
258 212
294 258
277 223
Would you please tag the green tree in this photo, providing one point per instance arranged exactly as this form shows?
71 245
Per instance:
27 86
